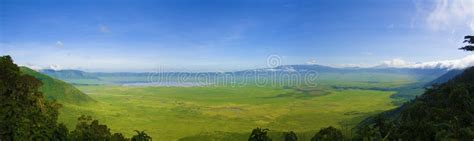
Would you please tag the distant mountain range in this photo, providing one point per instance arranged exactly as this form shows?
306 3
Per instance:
324 73
321 69
427 74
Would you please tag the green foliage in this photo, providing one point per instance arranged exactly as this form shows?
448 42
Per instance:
118 137
290 136
259 134
61 133
328 134
367 133
24 113
141 136
89 129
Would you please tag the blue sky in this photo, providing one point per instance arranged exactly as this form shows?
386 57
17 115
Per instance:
225 35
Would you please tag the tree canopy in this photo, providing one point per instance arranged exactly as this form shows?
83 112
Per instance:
470 41
141 136
290 136
24 112
259 134
328 134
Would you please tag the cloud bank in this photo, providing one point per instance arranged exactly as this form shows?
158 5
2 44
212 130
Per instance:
462 63
311 62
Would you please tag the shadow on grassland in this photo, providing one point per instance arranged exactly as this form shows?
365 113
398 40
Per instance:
233 136
301 93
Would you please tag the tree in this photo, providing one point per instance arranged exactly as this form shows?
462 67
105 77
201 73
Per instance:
61 133
118 137
259 134
366 132
24 113
328 134
141 136
89 129
290 136
470 40
384 127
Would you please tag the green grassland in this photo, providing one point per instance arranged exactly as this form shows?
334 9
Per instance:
225 113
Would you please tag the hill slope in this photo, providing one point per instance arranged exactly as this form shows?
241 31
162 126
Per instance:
57 89
443 112
446 77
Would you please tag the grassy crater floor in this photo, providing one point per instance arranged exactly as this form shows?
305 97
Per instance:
225 113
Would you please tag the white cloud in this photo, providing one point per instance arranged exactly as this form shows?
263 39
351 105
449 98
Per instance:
396 63
465 62
452 14
55 67
311 62
462 63
59 44
360 65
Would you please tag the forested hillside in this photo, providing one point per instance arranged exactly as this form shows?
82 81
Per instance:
446 77
25 113
443 112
